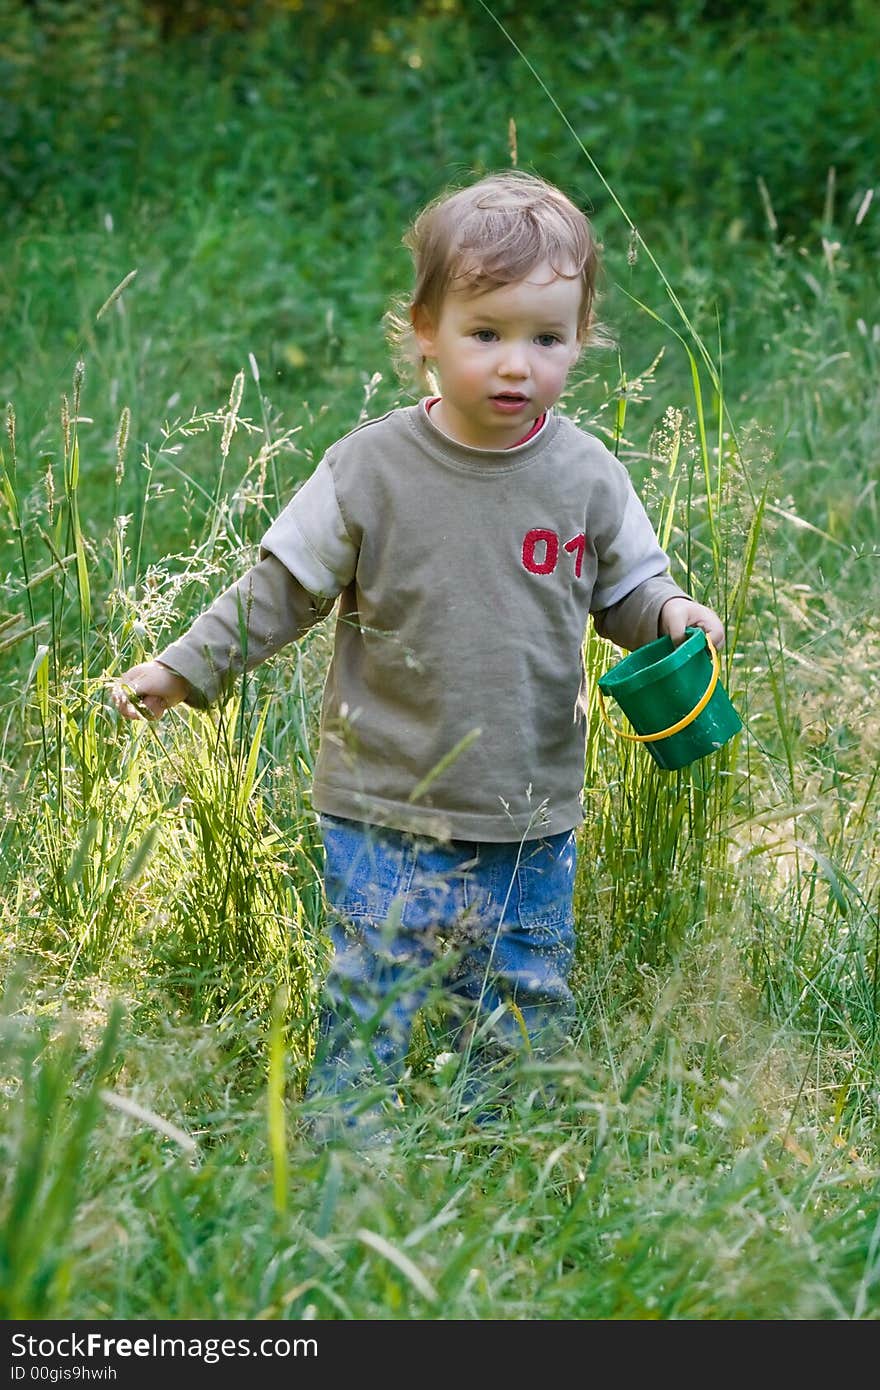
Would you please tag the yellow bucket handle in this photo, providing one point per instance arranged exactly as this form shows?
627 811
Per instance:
682 723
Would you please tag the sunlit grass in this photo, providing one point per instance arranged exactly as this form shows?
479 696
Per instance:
712 1152
726 975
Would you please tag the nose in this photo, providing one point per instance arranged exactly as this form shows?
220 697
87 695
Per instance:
514 360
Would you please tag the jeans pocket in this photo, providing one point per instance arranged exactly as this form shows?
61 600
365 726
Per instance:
545 882
367 870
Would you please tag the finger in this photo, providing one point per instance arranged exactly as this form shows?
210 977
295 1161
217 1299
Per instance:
154 706
131 704
119 699
714 631
128 710
123 708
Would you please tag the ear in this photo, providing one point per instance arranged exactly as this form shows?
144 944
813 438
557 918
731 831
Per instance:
424 329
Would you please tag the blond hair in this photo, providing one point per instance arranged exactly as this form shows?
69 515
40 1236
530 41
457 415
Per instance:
488 234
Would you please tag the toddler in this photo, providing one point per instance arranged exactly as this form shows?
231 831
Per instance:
467 540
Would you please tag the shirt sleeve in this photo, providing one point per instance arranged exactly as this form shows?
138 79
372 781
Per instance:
307 557
635 619
311 539
633 580
255 617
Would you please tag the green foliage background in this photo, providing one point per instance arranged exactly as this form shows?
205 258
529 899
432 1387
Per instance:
257 166
248 170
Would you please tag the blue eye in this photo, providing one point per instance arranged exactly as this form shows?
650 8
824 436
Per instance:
485 335
547 340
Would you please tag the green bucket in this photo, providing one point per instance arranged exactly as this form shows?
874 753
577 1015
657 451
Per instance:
673 698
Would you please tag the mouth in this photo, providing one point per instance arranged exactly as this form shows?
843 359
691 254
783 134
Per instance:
510 400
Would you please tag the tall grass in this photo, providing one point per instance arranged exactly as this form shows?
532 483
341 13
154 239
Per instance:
176 866
712 1152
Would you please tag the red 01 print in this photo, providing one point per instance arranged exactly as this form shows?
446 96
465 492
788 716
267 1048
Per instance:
540 551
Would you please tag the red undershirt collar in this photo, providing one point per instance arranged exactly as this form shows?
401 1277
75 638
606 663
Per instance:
429 405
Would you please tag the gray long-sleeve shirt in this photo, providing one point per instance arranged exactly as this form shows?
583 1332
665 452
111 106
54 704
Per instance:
465 579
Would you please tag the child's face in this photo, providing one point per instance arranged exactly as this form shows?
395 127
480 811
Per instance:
502 356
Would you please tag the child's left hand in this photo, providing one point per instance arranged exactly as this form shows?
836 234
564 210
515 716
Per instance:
679 613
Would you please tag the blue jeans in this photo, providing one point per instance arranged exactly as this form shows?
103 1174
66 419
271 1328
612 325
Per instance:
489 925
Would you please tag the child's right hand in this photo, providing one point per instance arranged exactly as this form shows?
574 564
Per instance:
154 687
